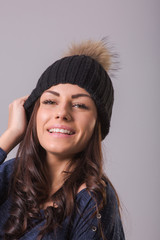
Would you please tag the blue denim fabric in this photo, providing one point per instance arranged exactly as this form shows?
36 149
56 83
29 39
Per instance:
83 226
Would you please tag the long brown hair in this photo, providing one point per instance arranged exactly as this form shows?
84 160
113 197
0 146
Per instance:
31 186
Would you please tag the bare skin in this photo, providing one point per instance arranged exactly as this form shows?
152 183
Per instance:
17 124
64 106
65 110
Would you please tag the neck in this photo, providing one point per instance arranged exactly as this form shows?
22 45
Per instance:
57 165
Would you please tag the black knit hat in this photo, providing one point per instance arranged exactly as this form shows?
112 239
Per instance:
85 72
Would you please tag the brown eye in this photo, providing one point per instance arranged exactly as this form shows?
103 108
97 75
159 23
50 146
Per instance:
49 102
80 105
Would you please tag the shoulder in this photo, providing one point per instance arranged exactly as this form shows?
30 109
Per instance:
111 207
83 186
86 204
84 195
111 195
108 217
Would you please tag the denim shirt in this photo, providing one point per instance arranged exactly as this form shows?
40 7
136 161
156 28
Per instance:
83 227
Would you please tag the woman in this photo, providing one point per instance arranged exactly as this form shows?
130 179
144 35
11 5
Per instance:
56 188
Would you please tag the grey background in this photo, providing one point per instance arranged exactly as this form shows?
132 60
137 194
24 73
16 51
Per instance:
34 33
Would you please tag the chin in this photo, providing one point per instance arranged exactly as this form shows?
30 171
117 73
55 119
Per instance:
63 152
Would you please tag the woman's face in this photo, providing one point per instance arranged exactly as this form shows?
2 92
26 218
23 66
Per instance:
65 119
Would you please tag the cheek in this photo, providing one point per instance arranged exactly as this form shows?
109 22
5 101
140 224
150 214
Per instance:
91 120
86 130
87 125
40 120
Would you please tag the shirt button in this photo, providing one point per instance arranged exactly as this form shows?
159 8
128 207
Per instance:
94 228
98 215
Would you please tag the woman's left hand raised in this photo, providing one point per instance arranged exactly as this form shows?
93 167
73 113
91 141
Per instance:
17 124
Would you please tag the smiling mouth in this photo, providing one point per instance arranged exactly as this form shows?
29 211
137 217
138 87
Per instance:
61 130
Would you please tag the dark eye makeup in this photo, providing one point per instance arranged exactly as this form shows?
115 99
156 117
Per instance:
75 105
80 105
48 101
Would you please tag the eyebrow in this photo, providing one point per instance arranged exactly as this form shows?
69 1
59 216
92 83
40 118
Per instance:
73 96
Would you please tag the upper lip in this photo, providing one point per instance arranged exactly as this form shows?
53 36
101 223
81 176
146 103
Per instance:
62 127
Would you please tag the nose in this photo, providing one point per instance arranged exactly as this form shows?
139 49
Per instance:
63 113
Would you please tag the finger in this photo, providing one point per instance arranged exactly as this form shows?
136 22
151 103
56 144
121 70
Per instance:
21 100
24 97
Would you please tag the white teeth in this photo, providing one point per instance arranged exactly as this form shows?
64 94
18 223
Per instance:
60 131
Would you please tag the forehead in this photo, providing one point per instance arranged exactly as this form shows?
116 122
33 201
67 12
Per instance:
68 89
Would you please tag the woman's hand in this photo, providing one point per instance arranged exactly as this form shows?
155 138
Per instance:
17 124
17 121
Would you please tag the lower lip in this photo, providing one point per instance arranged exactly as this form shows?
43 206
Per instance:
60 135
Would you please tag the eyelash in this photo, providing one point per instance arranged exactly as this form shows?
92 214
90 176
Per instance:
49 102
79 105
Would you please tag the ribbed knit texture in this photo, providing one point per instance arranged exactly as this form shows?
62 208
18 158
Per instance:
85 72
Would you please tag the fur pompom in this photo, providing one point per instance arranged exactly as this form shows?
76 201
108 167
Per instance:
95 49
